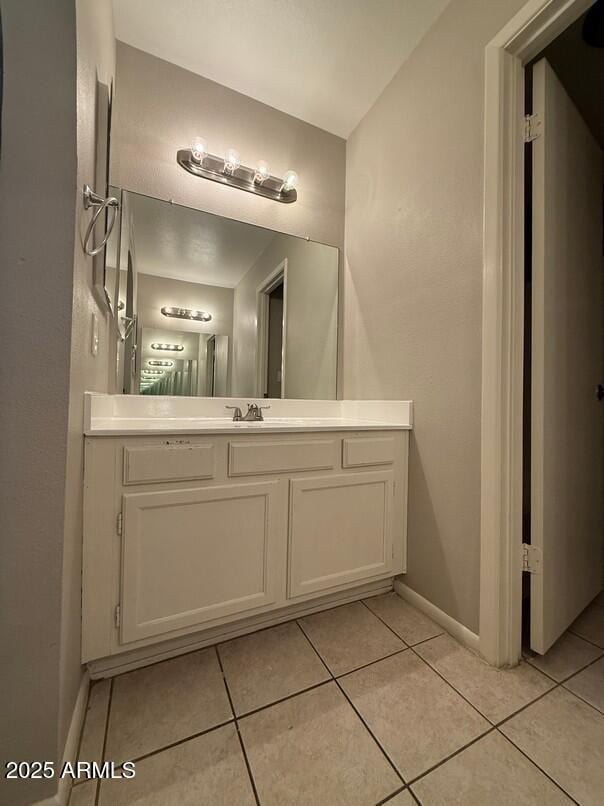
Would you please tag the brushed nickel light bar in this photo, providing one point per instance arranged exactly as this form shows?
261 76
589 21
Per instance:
228 170
155 363
186 313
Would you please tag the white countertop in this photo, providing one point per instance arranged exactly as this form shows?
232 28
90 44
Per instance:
110 426
131 415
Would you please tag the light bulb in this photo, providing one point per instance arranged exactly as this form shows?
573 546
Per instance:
232 161
199 150
290 181
262 172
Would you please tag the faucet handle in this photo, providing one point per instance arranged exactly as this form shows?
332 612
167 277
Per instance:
237 413
260 410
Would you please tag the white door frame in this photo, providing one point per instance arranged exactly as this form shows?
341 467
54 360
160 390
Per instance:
263 291
535 25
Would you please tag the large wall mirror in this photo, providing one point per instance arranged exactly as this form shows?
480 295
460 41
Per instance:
210 306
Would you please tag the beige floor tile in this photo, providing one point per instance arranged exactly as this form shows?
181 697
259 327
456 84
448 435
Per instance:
589 684
590 625
567 656
565 737
416 717
402 799
266 666
407 622
206 771
313 749
490 772
349 636
83 794
95 722
164 703
496 693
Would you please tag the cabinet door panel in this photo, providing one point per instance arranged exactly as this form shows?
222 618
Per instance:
196 555
340 530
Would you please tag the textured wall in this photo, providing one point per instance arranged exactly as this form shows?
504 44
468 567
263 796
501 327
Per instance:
36 279
413 286
161 108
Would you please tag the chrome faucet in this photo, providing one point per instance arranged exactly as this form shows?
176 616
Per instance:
253 414
237 415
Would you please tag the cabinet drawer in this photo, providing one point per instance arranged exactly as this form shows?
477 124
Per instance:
257 458
368 451
168 463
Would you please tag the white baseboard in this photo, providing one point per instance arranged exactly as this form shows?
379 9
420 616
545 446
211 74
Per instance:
72 745
462 634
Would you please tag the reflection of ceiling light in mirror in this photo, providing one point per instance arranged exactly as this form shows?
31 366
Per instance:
186 313
147 372
178 348
156 363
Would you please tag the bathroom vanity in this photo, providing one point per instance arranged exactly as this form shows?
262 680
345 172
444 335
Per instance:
197 528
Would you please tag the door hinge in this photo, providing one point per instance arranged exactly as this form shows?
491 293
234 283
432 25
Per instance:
118 615
531 559
533 127
119 524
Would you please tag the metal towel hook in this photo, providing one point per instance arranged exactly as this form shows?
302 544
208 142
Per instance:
92 199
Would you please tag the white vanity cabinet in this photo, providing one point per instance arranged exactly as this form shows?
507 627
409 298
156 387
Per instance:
203 535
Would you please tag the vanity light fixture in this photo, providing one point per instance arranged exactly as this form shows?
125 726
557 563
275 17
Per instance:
262 173
186 313
228 170
156 363
177 348
152 372
232 161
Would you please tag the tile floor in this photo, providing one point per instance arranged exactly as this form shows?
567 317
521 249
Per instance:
365 704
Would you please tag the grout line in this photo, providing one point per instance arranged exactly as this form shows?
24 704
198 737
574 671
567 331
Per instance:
534 763
583 638
415 797
457 752
347 698
369 731
315 650
388 798
106 732
282 699
526 705
178 742
573 674
241 744
371 663
579 697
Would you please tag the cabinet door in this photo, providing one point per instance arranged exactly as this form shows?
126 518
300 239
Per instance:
197 555
340 530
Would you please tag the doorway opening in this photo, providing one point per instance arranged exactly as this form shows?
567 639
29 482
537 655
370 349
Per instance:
272 317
